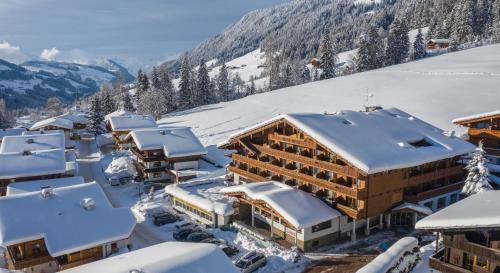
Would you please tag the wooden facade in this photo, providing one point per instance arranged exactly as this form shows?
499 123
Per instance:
280 151
468 251
486 129
33 255
438 44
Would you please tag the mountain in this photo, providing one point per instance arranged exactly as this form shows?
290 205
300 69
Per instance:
31 83
436 89
117 68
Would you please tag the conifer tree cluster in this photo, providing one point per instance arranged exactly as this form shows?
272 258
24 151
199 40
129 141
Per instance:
478 178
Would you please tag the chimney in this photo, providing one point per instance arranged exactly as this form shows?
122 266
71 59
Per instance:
47 193
26 152
30 141
88 203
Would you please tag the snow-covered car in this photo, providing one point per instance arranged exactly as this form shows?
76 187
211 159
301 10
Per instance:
165 218
185 224
197 237
183 233
251 262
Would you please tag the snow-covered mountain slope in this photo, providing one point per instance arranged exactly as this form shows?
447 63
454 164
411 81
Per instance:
434 89
31 83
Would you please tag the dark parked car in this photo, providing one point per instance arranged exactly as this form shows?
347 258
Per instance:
197 237
182 234
214 241
229 250
165 218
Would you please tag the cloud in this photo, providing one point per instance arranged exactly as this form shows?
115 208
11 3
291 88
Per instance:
11 53
49 54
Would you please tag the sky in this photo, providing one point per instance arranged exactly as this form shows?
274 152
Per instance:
136 33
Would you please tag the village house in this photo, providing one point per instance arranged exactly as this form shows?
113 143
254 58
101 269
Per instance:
121 126
434 44
169 257
470 231
289 213
63 228
484 127
166 154
80 122
34 157
364 164
212 213
55 123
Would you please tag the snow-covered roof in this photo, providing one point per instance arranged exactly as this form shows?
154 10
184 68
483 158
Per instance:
175 142
190 195
385 261
299 208
169 257
80 118
129 123
35 163
63 220
479 211
376 141
441 41
118 113
56 122
13 144
31 133
37 185
415 207
477 116
11 132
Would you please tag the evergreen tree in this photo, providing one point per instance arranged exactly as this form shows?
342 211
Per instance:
167 89
108 104
237 84
6 118
95 115
142 83
127 102
251 88
223 83
287 77
204 93
154 103
185 85
478 177
274 72
463 24
496 21
54 107
398 43
155 78
305 76
328 57
370 51
419 46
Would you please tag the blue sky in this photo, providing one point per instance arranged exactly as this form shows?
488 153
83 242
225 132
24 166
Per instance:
138 33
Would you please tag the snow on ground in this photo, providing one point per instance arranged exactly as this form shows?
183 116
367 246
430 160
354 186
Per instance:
423 265
118 164
436 89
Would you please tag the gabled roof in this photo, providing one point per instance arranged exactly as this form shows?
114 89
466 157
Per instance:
475 117
62 219
169 257
375 141
38 185
13 144
220 207
35 163
479 211
42 132
414 207
118 113
441 41
56 122
80 118
299 208
129 123
175 142
11 132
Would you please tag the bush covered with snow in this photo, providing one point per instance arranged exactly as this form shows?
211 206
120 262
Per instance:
118 164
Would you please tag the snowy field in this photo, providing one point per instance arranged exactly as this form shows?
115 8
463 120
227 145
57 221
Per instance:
436 89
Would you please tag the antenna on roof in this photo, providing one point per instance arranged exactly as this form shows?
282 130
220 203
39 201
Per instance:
367 106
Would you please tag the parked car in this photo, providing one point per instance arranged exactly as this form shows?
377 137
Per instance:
229 250
197 237
185 224
165 218
183 233
251 262
214 241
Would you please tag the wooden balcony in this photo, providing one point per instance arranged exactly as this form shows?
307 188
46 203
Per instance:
353 213
484 133
27 263
435 175
307 143
355 193
247 174
78 263
325 165
143 158
415 198
435 262
460 242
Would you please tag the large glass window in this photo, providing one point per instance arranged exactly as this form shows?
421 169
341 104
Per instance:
441 203
322 226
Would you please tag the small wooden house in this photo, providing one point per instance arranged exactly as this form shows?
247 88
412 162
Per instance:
121 126
433 44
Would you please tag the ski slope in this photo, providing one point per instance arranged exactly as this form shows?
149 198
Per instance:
436 89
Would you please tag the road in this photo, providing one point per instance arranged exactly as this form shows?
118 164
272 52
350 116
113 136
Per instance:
90 168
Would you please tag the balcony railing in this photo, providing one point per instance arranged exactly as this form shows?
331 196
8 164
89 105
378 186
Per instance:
435 175
355 193
141 157
484 132
28 262
460 242
293 140
351 212
247 174
436 262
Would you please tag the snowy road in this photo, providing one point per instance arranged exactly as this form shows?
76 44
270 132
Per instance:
90 168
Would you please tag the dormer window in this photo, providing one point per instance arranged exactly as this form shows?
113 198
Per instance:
421 143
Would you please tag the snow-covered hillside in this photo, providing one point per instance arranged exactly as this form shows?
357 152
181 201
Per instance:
435 89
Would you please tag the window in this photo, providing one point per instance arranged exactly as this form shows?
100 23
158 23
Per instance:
428 204
322 226
453 198
157 164
480 262
420 143
441 203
